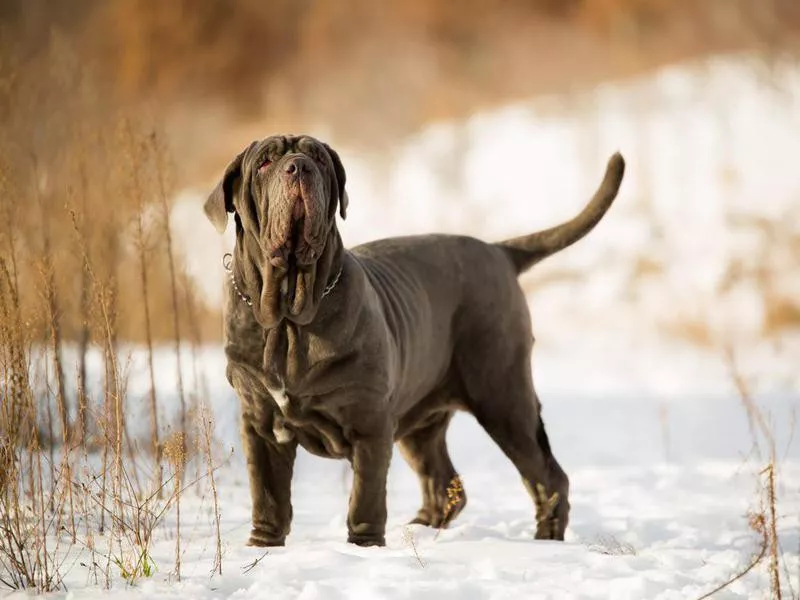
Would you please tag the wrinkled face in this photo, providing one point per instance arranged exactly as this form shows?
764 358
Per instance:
284 192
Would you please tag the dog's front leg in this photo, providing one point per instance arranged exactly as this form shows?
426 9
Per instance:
366 519
270 465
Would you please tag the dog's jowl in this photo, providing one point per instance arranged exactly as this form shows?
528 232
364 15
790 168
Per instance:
347 351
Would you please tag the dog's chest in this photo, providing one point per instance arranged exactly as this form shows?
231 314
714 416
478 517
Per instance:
278 358
316 430
295 383
289 355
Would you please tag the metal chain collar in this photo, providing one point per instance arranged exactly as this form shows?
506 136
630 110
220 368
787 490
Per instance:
227 264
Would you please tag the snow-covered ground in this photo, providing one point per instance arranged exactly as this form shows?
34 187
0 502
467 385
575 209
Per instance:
660 496
655 441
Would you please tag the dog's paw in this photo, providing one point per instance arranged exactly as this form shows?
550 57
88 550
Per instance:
548 524
366 541
549 531
260 540
445 507
421 519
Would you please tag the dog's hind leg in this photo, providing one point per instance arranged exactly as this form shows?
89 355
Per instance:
425 450
505 404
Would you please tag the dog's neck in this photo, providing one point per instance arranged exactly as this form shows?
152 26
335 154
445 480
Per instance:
285 358
334 273
335 269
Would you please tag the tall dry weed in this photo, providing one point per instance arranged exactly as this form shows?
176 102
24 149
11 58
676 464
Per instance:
763 520
72 484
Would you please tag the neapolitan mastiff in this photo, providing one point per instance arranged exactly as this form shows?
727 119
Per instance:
344 352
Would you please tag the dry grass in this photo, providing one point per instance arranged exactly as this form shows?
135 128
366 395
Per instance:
81 185
408 540
763 521
74 488
207 429
781 314
645 267
341 63
250 566
611 546
757 524
70 77
769 267
690 329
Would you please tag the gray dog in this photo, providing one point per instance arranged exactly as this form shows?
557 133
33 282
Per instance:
345 352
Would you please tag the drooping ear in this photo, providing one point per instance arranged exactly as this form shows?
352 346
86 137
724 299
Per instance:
341 178
220 201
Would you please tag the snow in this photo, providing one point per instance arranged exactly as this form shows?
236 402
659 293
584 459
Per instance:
660 494
654 438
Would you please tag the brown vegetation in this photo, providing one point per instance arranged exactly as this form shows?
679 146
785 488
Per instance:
86 261
373 70
71 73
763 520
61 493
75 183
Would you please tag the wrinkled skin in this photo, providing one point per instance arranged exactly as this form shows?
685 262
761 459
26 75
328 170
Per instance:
345 352
285 200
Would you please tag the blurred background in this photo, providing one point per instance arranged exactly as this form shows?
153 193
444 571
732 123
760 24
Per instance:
486 118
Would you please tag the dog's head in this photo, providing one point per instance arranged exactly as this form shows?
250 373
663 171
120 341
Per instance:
284 192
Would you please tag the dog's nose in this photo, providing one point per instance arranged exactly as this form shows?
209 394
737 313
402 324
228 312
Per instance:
297 166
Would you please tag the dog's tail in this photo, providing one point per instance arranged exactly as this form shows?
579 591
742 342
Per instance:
527 250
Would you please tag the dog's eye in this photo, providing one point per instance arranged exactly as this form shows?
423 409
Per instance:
265 165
